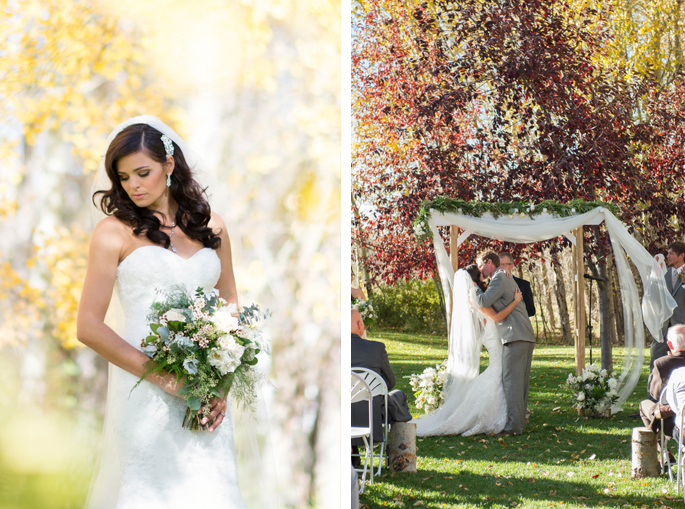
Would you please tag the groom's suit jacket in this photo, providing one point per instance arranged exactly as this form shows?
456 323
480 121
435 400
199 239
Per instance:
499 294
678 293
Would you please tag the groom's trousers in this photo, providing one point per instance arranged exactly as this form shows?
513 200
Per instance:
517 357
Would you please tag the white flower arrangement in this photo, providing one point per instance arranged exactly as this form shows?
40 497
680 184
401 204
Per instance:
365 308
210 345
428 386
594 390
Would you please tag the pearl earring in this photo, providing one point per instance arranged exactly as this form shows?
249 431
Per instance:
168 180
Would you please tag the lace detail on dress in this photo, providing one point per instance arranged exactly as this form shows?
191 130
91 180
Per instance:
481 409
148 460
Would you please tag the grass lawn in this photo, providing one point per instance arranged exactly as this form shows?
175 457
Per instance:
560 460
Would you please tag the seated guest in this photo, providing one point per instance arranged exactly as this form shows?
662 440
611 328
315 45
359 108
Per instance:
372 355
663 368
675 394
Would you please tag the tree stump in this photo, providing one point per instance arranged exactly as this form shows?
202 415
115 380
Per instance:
402 447
645 462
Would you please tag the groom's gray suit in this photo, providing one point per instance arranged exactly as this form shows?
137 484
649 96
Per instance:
518 338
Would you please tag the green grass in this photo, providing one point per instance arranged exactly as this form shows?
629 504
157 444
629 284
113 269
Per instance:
560 460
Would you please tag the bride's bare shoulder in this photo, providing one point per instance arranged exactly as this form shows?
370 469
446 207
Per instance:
217 225
109 236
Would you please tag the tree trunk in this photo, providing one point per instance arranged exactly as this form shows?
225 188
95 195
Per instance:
618 308
561 300
599 270
547 294
677 48
611 308
364 258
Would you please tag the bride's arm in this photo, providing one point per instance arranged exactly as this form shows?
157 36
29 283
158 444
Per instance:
91 330
501 315
226 283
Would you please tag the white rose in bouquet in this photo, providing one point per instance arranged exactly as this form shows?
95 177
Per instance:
224 320
222 361
174 315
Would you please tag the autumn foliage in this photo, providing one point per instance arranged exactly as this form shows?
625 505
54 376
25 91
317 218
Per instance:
500 101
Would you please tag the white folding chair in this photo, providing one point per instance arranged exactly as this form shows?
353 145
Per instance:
663 438
378 388
679 463
362 392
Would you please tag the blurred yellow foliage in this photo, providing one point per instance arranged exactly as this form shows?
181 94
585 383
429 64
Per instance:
70 68
18 307
63 261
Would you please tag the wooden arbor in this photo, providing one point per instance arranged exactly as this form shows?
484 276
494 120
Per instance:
576 239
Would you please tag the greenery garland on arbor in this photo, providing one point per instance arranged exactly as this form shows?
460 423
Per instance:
512 208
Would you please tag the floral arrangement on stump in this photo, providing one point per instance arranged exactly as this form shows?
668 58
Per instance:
593 391
428 386
365 308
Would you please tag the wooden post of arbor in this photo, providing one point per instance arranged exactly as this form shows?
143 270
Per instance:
579 294
454 249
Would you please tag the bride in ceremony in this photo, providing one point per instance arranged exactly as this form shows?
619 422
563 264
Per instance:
159 232
472 403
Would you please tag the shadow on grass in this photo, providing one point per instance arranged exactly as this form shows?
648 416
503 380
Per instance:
466 488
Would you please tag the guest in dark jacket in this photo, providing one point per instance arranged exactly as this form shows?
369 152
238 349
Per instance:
373 355
658 378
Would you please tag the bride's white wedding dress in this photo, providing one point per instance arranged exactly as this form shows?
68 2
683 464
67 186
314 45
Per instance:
473 403
148 460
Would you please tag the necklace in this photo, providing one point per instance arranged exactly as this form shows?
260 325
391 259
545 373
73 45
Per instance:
173 227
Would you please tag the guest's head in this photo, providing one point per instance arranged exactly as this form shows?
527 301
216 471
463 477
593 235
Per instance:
675 337
506 261
488 263
675 256
476 276
357 323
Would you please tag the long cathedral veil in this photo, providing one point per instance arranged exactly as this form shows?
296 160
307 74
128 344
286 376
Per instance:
463 356
253 447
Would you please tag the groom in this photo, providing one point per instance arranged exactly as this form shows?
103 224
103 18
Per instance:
517 336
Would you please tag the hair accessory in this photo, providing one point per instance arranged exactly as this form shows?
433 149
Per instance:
168 145
168 179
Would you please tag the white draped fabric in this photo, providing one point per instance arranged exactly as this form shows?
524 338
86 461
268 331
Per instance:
657 303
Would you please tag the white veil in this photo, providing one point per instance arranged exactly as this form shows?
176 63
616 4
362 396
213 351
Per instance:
463 357
253 447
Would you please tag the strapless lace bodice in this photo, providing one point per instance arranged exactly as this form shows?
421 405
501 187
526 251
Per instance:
148 460
151 269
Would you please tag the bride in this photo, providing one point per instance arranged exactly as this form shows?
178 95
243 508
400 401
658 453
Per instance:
473 403
160 231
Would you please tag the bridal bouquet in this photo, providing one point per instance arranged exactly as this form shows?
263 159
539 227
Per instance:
209 344
593 390
428 386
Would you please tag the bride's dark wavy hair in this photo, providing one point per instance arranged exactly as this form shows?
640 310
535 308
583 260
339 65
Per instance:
193 213
475 275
